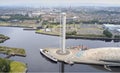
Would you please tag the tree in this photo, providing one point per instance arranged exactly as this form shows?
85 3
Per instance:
4 65
107 33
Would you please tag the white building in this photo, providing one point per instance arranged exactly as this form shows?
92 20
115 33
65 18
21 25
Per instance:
48 30
111 26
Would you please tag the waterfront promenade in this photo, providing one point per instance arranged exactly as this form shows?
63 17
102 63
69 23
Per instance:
90 56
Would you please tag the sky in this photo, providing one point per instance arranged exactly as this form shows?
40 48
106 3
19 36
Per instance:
59 3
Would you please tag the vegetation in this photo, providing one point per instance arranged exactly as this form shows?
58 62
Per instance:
20 17
4 65
71 33
49 26
11 66
74 33
47 33
117 36
107 33
8 65
91 35
12 51
17 67
3 38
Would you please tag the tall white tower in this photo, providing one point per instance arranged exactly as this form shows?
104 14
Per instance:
63 50
63 16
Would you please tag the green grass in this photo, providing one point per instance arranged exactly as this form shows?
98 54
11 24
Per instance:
39 31
17 67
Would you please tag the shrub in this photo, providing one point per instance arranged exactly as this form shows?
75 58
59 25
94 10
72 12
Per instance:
71 33
117 36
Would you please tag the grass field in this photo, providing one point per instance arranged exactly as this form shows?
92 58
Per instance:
17 67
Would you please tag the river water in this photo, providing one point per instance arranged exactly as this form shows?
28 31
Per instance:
32 42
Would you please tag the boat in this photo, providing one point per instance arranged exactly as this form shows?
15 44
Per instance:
69 62
45 53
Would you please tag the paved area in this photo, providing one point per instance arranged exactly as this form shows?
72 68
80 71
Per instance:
90 56
61 53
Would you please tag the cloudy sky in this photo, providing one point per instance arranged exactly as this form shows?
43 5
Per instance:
59 2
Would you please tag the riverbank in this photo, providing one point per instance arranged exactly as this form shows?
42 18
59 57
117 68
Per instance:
98 29
47 33
7 24
91 37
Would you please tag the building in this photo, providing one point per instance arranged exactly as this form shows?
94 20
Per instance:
114 29
111 26
118 30
5 17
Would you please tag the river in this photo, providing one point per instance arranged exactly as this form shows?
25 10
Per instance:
32 42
